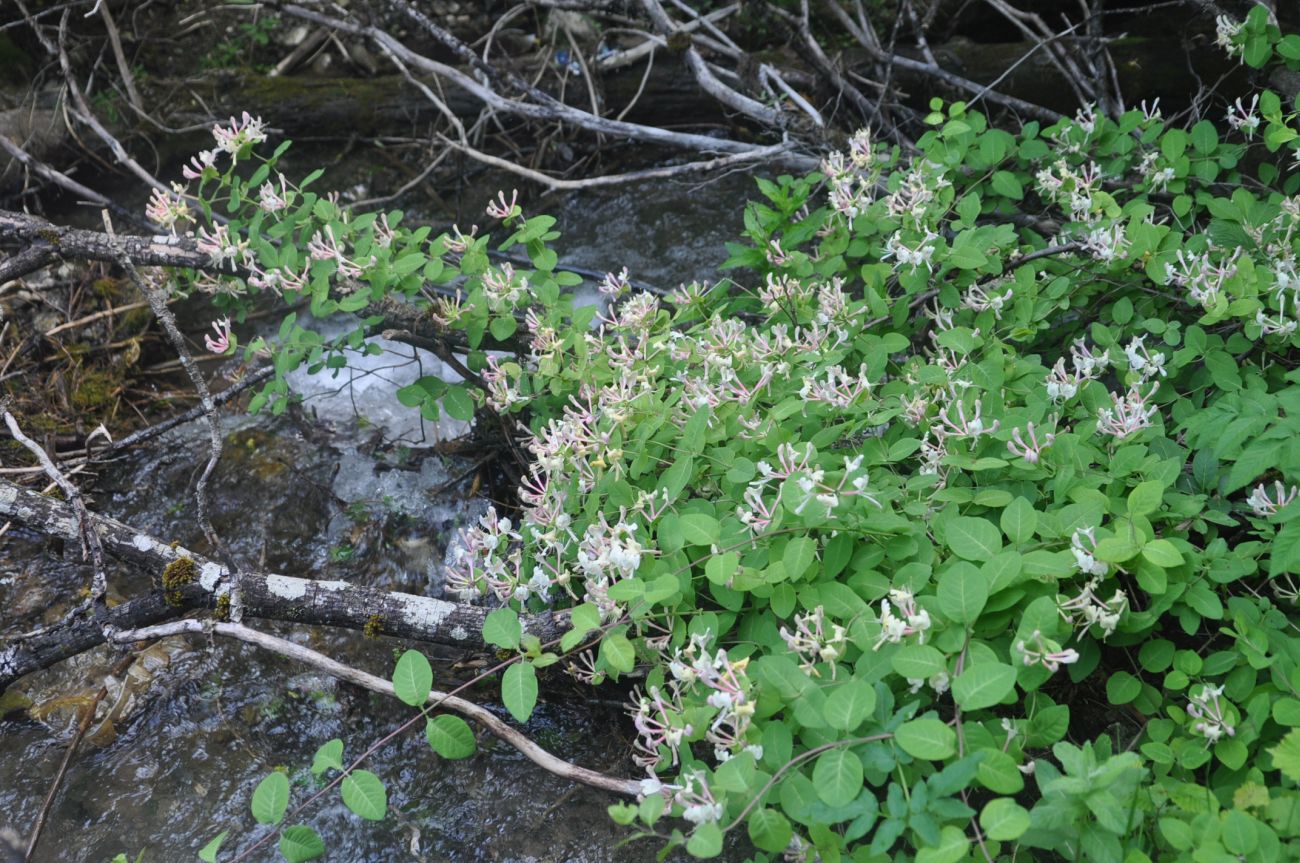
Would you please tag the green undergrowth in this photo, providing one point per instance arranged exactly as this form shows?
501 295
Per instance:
967 530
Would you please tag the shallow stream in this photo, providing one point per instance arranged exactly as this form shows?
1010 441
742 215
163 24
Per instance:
324 492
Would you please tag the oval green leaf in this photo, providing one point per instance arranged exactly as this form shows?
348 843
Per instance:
1004 819
329 755
849 704
519 690
364 794
974 539
270 799
962 593
838 777
413 678
918 662
983 685
929 739
502 628
300 844
769 830
450 736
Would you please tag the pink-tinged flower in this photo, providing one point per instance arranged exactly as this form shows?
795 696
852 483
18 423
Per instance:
1129 414
220 246
221 344
1265 505
166 210
1213 719
244 132
1032 449
499 209
1041 651
325 247
460 242
198 164
272 200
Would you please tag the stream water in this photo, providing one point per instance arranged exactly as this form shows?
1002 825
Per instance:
317 492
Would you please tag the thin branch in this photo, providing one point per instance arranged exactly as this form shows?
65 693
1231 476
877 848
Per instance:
91 548
158 303
469 709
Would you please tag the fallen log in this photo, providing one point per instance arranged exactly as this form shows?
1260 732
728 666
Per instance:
188 581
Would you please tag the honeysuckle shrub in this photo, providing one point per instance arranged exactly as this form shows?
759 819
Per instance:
961 526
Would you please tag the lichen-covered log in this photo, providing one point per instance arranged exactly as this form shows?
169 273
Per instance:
189 581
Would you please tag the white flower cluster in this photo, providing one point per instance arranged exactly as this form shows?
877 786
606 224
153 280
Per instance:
1200 276
1210 714
1227 35
813 643
1063 385
1037 650
910 619
1264 506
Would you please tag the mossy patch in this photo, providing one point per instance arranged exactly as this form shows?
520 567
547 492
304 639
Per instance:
222 611
95 391
374 626
175 576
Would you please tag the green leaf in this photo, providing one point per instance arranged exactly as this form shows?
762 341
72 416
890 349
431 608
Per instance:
1006 184
1205 138
1122 687
300 844
413 678
849 704
918 662
208 853
1239 833
700 529
450 736
618 652
997 772
1145 498
1004 819
962 593
1162 553
503 629
973 538
458 404
503 327
329 755
769 830
983 685
838 777
365 795
720 568
1019 520
1286 711
929 739
271 798
952 847
799 554
1284 554
519 690
1286 755
705 841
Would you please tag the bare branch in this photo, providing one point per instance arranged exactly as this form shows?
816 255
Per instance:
468 709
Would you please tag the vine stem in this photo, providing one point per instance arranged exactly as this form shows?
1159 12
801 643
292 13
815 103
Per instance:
337 669
795 762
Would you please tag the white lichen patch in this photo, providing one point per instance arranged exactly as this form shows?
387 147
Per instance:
459 633
142 542
424 613
332 585
209 574
286 587
8 496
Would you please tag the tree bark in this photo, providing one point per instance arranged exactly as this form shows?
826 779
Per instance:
266 596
